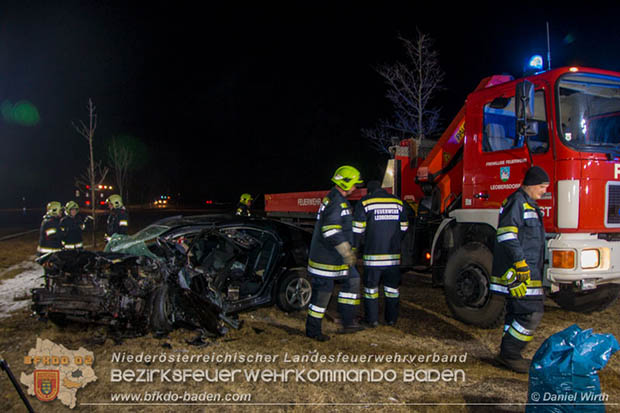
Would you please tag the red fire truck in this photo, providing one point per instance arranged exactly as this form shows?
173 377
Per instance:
566 120
102 192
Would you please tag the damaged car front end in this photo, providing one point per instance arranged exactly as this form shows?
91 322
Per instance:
129 293
189 272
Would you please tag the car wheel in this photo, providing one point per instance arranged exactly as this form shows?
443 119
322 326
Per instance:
466 285
294 292
162 316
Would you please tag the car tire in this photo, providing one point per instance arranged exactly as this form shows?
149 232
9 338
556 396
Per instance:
587 301
294 291
466 285
162 319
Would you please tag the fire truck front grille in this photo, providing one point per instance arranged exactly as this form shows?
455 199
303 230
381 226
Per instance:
613 204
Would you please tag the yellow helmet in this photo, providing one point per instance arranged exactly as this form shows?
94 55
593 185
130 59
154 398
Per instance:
246 199
71 205
54 208
115 200
346 177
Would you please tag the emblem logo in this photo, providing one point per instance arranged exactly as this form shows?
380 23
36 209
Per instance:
504 173
52 361
46 384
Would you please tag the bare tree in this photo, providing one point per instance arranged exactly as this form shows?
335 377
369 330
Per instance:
95 173
411 88
120 158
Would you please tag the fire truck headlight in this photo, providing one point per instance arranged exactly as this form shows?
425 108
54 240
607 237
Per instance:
590 258
563 259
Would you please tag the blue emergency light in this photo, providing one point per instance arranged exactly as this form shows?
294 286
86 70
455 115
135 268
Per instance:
536 62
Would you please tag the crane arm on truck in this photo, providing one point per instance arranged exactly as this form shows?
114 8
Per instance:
435 170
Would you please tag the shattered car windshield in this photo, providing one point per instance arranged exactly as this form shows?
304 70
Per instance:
150 232
136 244
589 112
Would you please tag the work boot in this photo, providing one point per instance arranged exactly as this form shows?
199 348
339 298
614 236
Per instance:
518 365
351 328
370 324
319 337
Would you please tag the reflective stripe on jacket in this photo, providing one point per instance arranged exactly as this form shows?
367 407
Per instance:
333 227
380 222
118 222
72 228
50 235
520 236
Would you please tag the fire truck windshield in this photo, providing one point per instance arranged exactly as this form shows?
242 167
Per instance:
589 112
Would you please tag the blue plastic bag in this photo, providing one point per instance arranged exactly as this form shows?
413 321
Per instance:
563 373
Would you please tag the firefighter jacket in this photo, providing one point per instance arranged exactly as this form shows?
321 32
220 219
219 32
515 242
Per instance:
333 227
72 228
50 235
380 221
242 210
520 236
118 222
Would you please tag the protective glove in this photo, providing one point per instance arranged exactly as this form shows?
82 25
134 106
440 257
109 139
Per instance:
348 256
522 270
518 289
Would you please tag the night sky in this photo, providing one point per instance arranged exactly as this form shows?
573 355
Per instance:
225 100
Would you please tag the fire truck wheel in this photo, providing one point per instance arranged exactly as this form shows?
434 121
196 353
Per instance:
587 301
466 285
161 310
294 291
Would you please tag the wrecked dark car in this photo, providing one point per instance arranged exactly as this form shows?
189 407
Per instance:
194 272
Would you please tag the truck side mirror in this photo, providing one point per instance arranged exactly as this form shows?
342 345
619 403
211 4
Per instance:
524 109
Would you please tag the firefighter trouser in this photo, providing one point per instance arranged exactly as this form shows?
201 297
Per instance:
518 331
391 281
348 301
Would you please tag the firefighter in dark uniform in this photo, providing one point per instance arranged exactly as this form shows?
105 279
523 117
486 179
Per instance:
380 221
518 267
118 220
50 234
243 207
332 257
72 226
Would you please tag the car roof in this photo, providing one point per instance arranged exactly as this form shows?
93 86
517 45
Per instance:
220 220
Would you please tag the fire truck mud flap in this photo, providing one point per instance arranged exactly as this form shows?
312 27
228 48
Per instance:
466 285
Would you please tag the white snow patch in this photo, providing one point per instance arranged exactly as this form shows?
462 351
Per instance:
19 286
